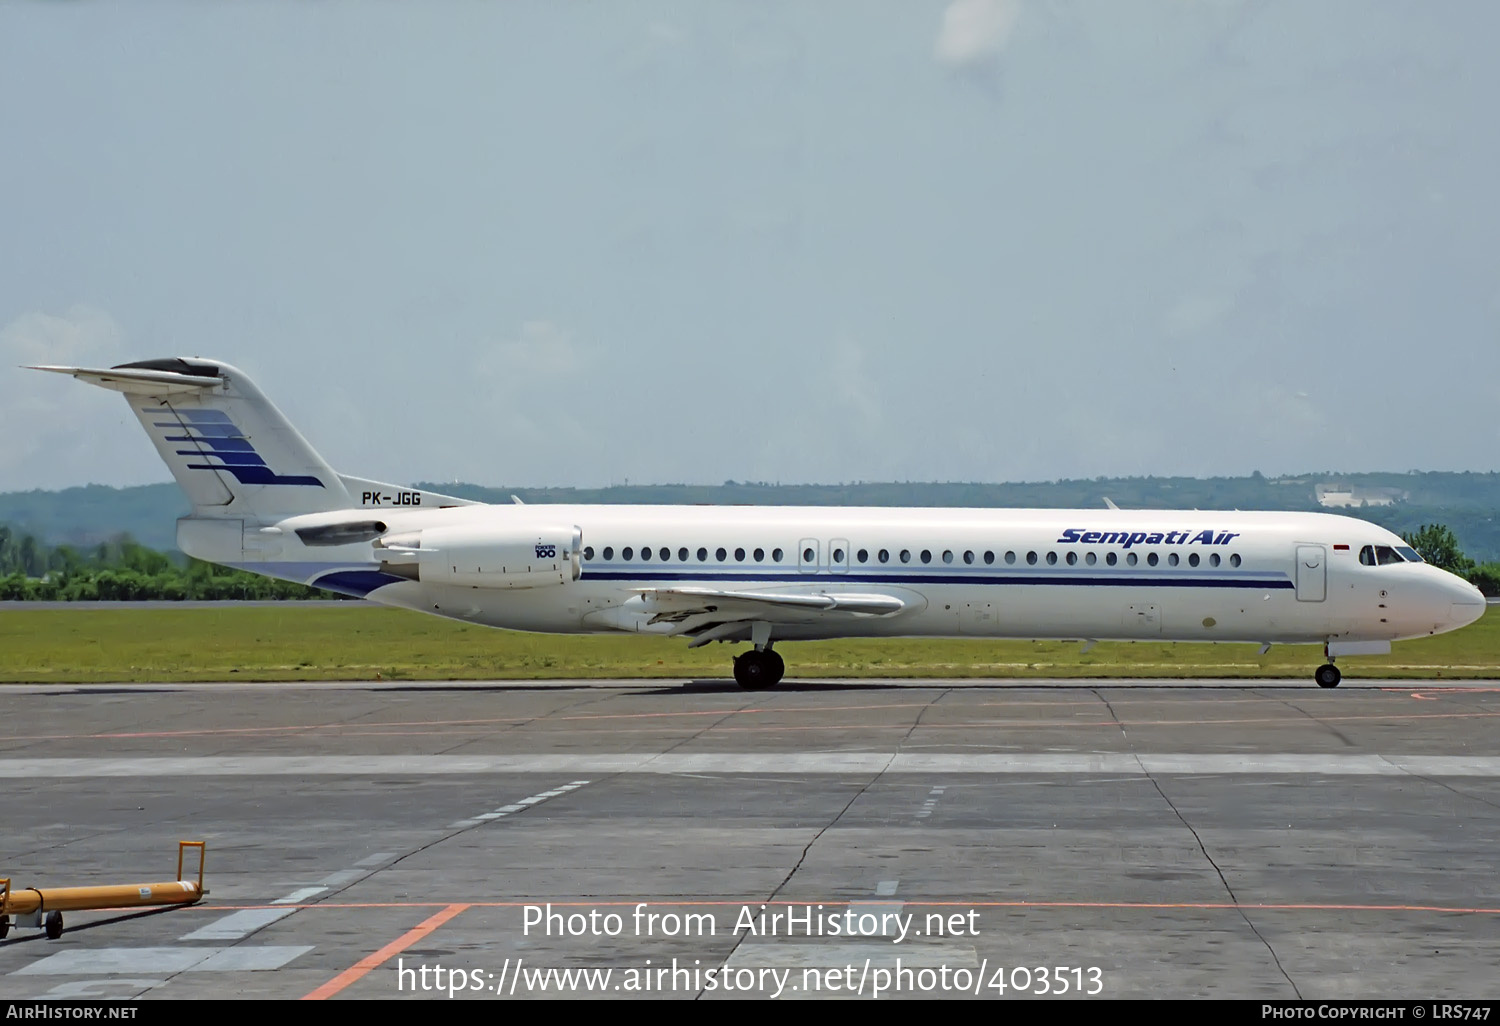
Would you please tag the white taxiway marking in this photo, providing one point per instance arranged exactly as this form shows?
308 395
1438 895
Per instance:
239 924
881 953
887 914
92 961
787 763
299 895
520 805
340 878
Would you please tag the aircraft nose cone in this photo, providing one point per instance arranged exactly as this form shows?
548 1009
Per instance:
1468 604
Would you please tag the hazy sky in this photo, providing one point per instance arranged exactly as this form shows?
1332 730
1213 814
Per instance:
574 242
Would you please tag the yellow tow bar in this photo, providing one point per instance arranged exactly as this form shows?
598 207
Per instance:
44 906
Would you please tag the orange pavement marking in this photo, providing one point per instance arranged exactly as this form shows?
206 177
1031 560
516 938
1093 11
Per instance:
401 943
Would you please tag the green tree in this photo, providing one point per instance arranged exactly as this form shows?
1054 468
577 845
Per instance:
1486 577
1439 546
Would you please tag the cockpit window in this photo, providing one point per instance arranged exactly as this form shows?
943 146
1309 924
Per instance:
1384 555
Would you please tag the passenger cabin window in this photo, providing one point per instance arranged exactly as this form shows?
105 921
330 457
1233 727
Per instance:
776 555
863 555
760 554
682 555
720 554
703 555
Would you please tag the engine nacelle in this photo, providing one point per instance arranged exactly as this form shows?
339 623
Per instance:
485 556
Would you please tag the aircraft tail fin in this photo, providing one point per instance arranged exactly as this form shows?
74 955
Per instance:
231 450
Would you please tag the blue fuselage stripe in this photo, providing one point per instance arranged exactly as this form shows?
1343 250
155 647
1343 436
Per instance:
1133 580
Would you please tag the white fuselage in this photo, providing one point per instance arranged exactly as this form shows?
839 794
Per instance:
996 573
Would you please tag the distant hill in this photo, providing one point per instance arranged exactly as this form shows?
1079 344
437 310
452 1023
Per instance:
1467 502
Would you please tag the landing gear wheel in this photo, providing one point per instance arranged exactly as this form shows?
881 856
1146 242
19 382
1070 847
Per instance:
756 671
1328 676
53 925
4 926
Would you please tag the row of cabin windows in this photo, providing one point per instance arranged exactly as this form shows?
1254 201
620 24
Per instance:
664 554
809 555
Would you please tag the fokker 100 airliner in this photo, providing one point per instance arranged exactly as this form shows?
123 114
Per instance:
264 501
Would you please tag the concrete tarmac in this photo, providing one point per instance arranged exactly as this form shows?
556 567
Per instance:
833 839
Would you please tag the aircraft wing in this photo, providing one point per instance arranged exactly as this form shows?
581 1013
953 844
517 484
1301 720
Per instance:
712 614
688 598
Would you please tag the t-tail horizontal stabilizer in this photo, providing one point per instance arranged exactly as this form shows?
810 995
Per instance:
229 447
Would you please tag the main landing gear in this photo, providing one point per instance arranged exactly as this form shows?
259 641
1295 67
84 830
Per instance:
1328 675
758 669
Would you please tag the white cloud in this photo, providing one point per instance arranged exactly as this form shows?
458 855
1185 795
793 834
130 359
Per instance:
853 385
81 337
58 432
526 397
666 33
1196 312
975 31
541 353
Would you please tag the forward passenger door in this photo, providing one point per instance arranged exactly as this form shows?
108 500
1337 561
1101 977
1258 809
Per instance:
1312 573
